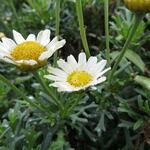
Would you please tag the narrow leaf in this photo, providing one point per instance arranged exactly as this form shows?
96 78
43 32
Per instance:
143 81
135 59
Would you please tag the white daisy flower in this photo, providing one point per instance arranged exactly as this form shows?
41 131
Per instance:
75 76
29 53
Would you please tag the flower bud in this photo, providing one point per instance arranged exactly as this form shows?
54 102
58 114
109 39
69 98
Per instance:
138 5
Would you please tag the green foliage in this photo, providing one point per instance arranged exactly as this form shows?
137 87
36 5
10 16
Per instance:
136 59
102 117
60 143
144 81
120 26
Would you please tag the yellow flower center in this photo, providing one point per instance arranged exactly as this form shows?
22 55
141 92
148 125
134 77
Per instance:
79 78
27 51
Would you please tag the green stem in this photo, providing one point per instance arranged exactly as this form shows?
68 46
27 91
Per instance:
106 13
46 88
19 93
138 19
13 9
82 28
57 13
16 15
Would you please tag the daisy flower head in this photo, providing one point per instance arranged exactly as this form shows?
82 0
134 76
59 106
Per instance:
74 76
30 53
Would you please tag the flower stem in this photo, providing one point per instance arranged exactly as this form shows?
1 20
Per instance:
138 19
46 88
16 15
82 28
19 93
57 14
106 13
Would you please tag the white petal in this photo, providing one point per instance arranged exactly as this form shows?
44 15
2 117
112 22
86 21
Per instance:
18 37
51 49
56 71
64 66
8 43
3 48
80 88
97 68
62 86
71 60
53 46
54 40
101 73
63 89
54 78
4 54
7 59
82 59
101 65
26 62
44 37
59 44
91 63
45 55
100 80
31 37
92 60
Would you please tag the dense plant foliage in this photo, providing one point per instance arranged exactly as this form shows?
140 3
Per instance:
113 115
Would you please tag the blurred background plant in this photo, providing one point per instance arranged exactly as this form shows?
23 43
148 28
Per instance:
116 117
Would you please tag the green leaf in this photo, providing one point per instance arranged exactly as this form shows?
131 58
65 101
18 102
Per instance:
135 59
125 124
138 124
12 116
147 107
143 81
59 143
3 88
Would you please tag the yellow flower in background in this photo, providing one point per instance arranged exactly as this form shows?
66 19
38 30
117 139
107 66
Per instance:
30 53
138 5
75 76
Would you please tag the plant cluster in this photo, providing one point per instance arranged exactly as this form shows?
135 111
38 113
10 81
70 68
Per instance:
76 76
